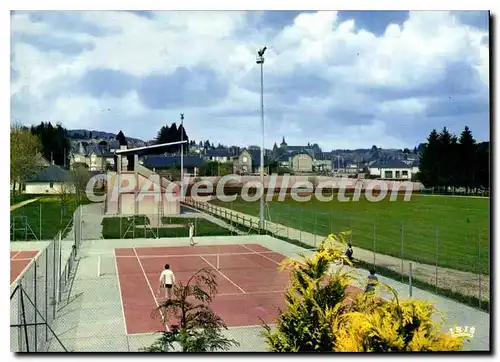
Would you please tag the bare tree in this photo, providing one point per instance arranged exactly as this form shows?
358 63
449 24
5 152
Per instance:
79 178
24 154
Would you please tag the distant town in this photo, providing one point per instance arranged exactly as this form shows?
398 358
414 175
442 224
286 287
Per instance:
95 150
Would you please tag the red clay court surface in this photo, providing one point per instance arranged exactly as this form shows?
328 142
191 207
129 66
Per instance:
250 285
19 260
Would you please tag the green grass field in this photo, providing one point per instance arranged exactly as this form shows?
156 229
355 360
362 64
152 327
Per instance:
21 197
452 231
45 218
124 228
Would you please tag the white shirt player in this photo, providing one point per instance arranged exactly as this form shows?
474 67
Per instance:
167 277
191 230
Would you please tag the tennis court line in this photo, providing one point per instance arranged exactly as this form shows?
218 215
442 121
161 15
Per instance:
221 273
21 259
200 255
16 254
121 298
256 252
250 293
151 289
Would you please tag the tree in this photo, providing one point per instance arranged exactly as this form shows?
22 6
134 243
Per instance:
483 165
54 141
80 176
199 329
467 153
182 135
444 159
24 154
120 137
429 168
319 316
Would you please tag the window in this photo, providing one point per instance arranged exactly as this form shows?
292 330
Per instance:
405 173
245 159
51 185
398 174
388 174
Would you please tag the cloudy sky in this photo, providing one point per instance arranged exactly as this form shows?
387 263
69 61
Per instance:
341 79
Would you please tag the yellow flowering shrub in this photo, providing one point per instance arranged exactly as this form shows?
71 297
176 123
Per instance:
318 318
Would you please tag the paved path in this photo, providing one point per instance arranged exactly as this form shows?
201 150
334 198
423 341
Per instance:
22 203
447 278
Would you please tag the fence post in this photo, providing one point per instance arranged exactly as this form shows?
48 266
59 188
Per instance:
35 302
374 240
300 229
314 229
409 278
40 221
350 228
402 250
46 255
479 267
437 256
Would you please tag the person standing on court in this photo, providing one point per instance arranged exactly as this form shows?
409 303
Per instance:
167 281
191 234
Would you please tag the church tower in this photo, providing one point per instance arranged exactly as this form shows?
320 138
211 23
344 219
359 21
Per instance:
283 143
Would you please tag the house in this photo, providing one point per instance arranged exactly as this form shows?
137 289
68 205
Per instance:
313 150
301 162
415 167
218 155
322 163
191 164
51 180
96 157
249 162
391 170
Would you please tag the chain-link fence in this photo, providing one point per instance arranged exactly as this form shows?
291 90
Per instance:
36 294
157 224
446 261
42 219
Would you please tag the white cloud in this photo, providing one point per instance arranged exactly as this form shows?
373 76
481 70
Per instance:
325 79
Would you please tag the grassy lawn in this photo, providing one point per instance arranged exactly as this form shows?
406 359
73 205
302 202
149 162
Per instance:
430 228
22 197
45 213
123 228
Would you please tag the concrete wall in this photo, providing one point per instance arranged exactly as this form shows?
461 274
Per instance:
154 199
45 188
351 182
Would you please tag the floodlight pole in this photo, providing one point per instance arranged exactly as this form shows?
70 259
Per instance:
260 60
182 156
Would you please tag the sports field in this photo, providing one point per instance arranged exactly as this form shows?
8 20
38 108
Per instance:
450 231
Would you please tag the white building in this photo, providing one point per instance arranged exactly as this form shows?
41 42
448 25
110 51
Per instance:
391 170
51 180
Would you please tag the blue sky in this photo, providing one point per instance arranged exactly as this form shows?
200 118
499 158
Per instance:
346 79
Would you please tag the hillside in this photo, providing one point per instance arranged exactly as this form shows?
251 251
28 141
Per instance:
85 134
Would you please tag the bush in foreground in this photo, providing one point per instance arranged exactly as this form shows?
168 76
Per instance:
320 317
199 329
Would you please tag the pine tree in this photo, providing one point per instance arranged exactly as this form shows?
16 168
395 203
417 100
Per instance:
429 168
467 152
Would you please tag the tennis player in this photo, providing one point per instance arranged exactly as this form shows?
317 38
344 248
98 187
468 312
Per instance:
191 234
167 281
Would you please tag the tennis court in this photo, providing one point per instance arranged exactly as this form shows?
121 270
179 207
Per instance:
250 284
19 260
